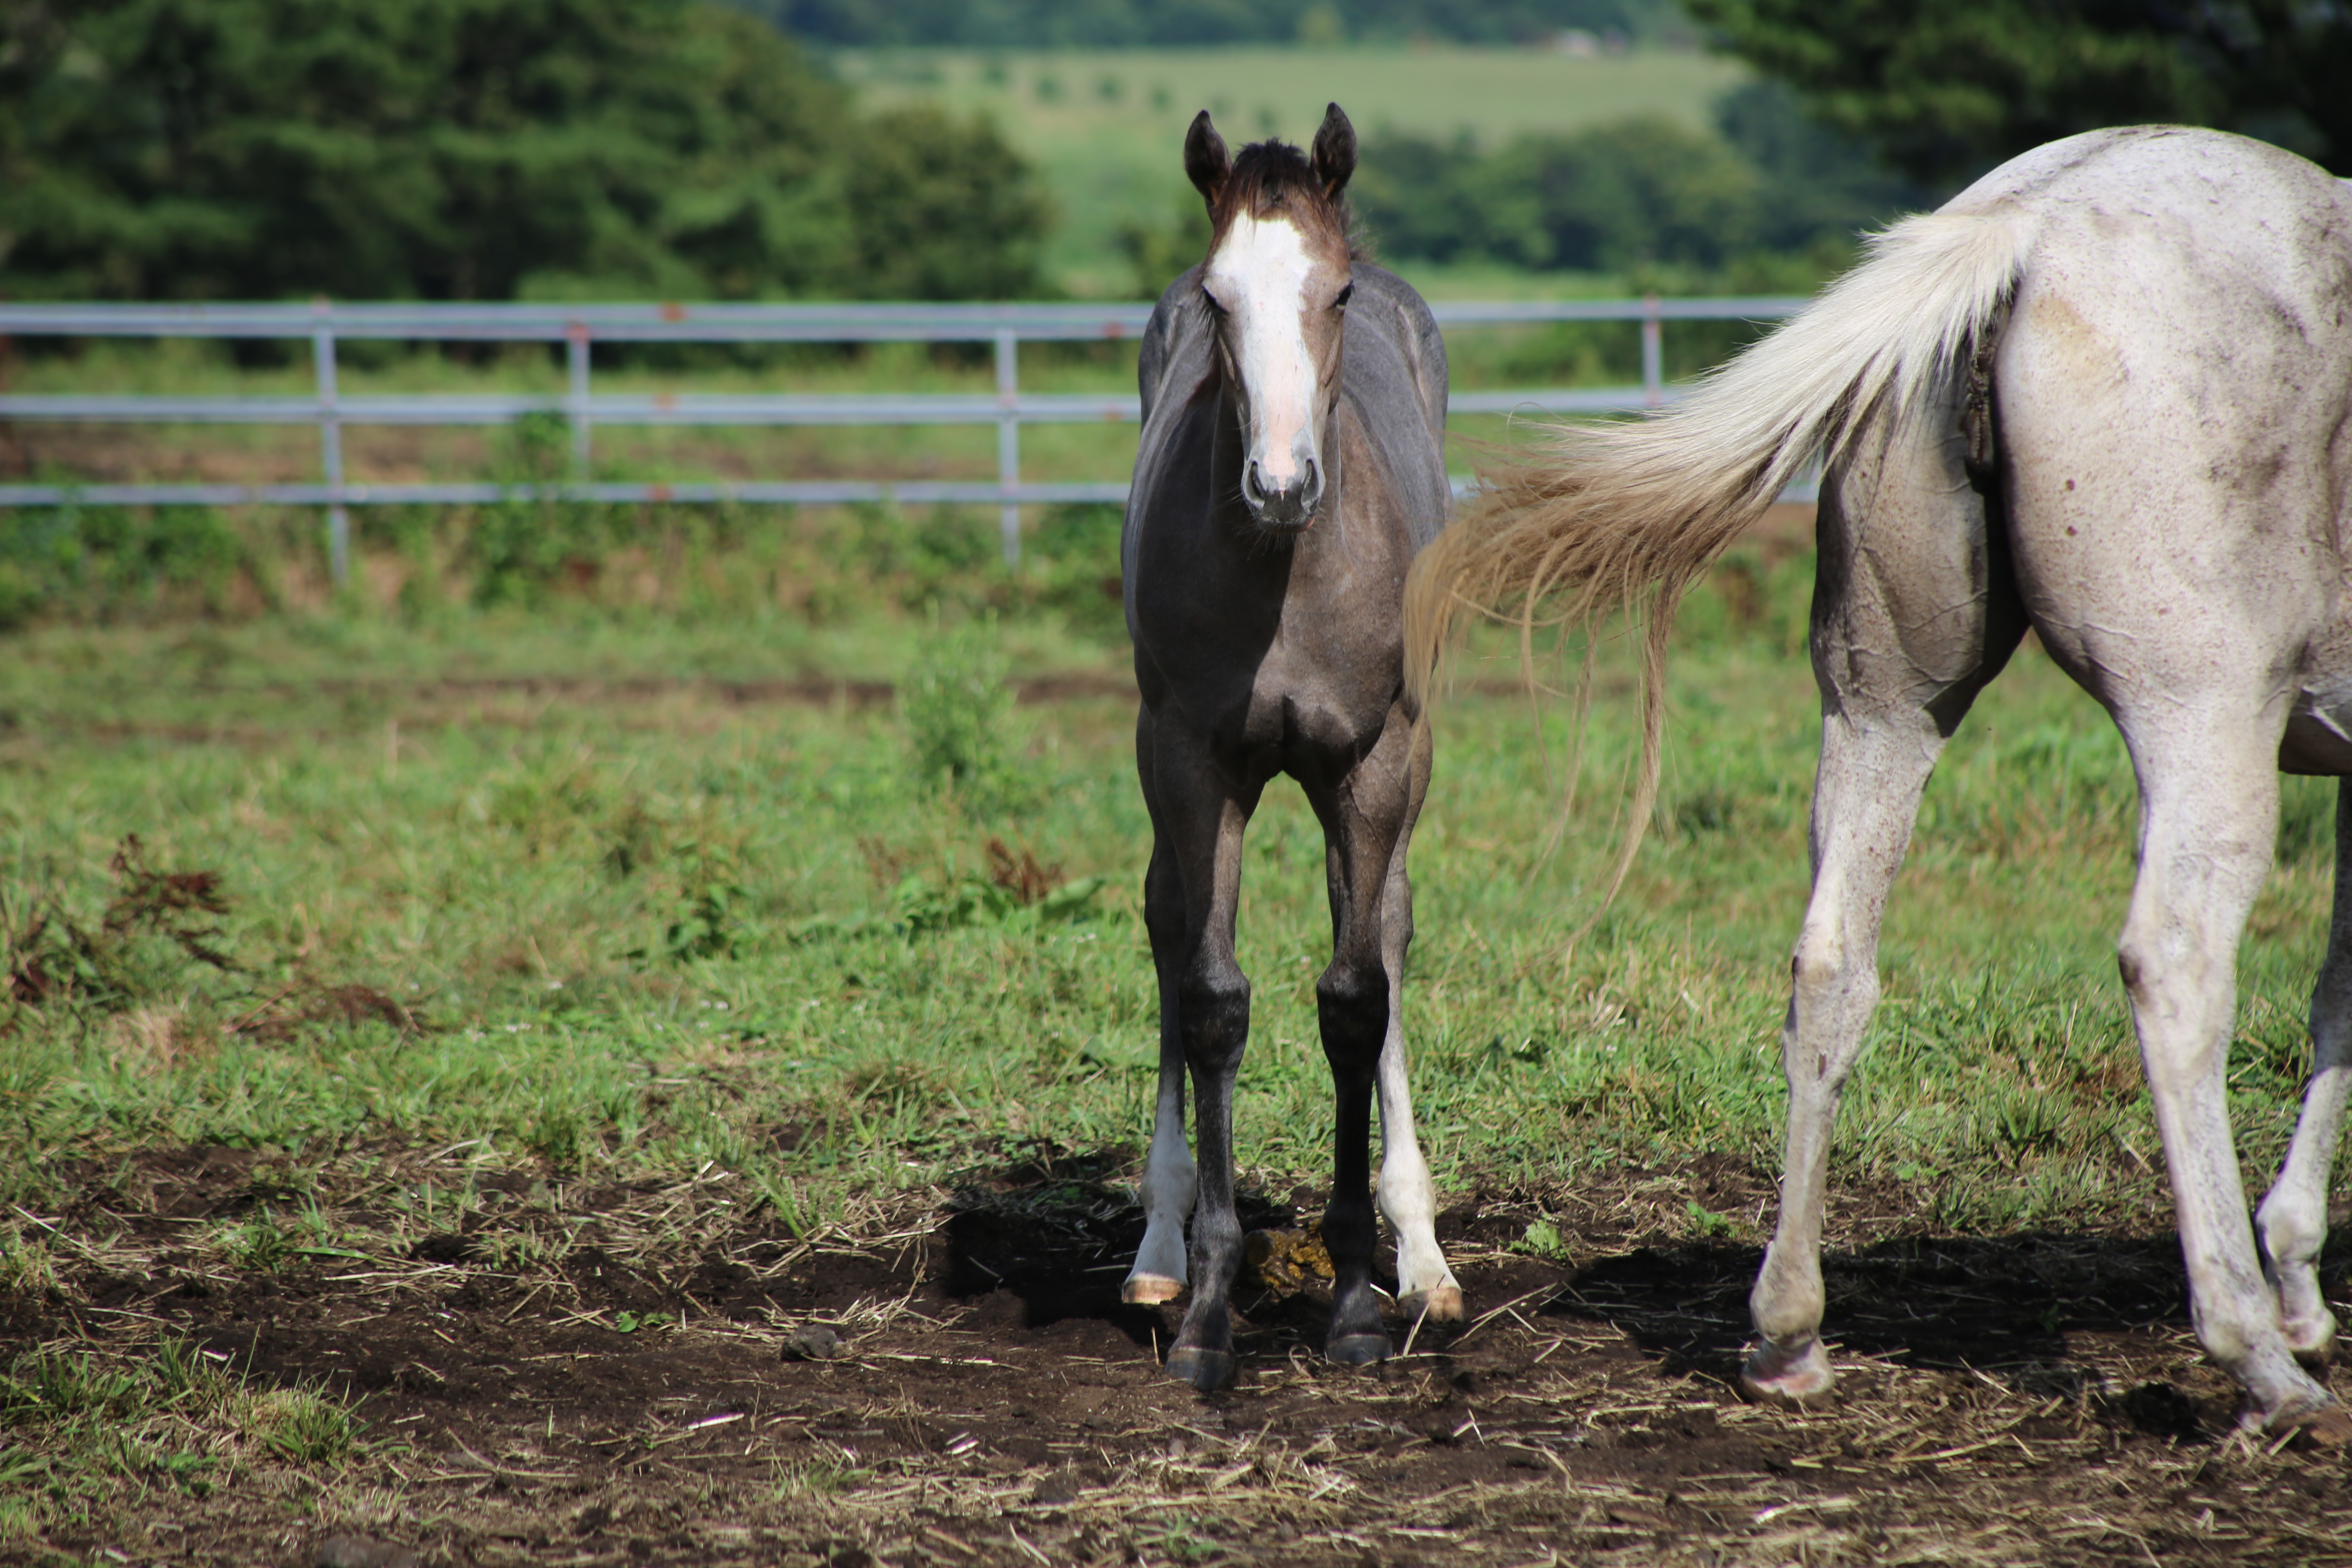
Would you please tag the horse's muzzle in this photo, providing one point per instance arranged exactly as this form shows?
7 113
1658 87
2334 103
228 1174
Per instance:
1285 509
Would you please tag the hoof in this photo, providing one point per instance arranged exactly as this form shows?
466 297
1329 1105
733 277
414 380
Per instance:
1205 1370
1149 1289
2312 1426
1777 1397
2313 1344
1357 1350
1442 1303
1801 1382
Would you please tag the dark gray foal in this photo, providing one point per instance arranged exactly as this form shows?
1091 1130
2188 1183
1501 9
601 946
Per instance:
1292 464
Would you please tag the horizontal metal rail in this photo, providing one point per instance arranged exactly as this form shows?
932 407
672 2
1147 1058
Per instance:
847 408
765 492
790 492
579 326
761 323
498 409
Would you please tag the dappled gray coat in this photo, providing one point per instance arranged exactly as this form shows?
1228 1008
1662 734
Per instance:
1393 369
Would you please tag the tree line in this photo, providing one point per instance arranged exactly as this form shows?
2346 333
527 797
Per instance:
478 149
1940 89
1129 24
1943 90
551 149
1632 195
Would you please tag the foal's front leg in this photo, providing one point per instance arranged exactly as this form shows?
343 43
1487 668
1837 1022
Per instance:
1199 815
1363 817
1171 1182
1408 1198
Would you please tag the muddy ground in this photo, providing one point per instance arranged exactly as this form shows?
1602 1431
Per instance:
2018 1399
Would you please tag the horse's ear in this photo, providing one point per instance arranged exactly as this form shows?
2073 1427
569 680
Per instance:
1335 151
1206 162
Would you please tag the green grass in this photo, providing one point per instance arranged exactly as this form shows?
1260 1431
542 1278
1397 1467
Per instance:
645 933
81 1429
545 947
1106 127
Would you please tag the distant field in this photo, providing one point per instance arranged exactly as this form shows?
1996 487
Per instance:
1106 125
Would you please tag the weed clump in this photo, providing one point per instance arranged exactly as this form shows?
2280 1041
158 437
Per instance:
958 712
524 547
75 1423
106 564
710 899
922 908
145 959
26 1267
304 1426
53 957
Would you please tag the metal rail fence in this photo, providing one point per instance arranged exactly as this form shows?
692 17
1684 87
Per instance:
579 327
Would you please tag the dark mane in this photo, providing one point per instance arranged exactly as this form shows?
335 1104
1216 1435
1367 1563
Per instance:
1273 175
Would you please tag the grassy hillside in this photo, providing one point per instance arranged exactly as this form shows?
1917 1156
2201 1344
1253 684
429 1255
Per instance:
1105 126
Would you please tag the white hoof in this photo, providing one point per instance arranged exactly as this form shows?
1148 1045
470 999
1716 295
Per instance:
1803 1380
1149 1289
2326 1425
1439 1304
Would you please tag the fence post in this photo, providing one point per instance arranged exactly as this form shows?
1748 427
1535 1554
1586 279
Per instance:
1008 442
1653 354
576 363
330 451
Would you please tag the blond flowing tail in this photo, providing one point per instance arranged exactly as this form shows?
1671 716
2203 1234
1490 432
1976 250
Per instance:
1610 517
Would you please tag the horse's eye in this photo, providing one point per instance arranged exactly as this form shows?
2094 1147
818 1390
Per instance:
1210 300
1345 295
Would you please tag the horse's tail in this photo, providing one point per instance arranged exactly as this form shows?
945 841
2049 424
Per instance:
1608 516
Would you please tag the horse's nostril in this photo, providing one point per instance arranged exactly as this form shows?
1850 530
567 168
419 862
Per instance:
1313 485
1251 485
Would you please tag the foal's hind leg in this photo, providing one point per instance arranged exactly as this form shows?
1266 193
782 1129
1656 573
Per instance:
1407 1199
1363 816
2292 1223
2208 814
1913 611
1873 767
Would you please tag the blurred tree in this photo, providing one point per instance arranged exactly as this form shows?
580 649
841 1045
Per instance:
1098 24
942 208
1641 190
1417 197
1160 253
1945 88
1815 186
442 149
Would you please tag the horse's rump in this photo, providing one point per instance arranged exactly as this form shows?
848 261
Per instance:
1611 516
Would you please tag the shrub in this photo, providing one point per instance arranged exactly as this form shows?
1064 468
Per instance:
957 709
103 562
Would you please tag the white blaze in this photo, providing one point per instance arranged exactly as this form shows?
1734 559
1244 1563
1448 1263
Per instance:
1259 276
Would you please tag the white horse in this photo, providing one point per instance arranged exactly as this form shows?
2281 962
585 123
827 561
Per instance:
2106 393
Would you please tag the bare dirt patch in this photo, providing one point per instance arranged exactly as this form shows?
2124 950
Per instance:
614 1373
